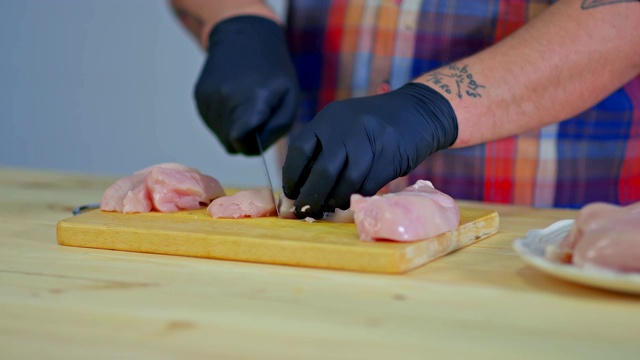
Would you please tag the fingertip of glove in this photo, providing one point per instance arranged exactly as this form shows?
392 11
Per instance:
289 188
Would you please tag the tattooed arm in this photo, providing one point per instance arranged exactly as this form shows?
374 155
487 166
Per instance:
199 16
564 61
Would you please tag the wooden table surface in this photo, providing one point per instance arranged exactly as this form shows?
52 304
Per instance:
482 302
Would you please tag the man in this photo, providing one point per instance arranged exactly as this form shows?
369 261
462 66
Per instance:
514 101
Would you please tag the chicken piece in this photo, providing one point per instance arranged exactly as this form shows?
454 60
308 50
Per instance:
249 203
173 190
339 216
128 195
415 213
166 187
603 235
286 207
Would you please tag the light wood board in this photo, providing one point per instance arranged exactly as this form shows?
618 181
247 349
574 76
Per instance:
267 240
71 303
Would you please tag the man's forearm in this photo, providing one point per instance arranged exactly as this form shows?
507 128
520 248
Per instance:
561 63
200 16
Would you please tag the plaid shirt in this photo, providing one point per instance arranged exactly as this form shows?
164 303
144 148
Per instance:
349 48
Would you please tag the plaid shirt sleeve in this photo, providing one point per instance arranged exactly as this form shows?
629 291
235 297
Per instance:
352 48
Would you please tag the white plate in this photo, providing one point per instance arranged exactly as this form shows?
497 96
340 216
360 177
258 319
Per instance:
531 249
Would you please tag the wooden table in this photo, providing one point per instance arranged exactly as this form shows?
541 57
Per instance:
481 302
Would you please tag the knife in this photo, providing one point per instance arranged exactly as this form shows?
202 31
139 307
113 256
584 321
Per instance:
266 171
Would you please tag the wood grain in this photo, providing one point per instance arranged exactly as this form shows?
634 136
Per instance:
267 240
61 302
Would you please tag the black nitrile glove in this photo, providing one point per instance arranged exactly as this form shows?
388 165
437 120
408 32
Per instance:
361 144
248 84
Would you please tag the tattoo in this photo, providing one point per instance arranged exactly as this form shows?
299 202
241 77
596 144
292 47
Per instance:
455 79
590 4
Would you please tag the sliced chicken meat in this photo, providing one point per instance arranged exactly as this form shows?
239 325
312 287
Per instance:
415 213
286 207
249 203
166 187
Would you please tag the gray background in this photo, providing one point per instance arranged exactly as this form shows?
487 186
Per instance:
105 87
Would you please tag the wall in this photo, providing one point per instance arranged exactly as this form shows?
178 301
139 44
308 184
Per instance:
105 87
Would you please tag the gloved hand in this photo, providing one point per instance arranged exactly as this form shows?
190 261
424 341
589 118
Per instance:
248 84
359 145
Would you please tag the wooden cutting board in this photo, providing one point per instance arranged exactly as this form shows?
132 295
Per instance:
267 240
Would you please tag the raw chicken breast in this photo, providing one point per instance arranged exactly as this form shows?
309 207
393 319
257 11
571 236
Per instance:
127 195
339 216
417 212
166 187
286 207
249 203
604 235
173 190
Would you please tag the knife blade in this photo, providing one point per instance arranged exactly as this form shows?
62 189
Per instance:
266 171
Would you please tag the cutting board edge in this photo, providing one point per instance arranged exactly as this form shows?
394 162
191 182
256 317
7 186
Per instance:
491 220
391 262
372 260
